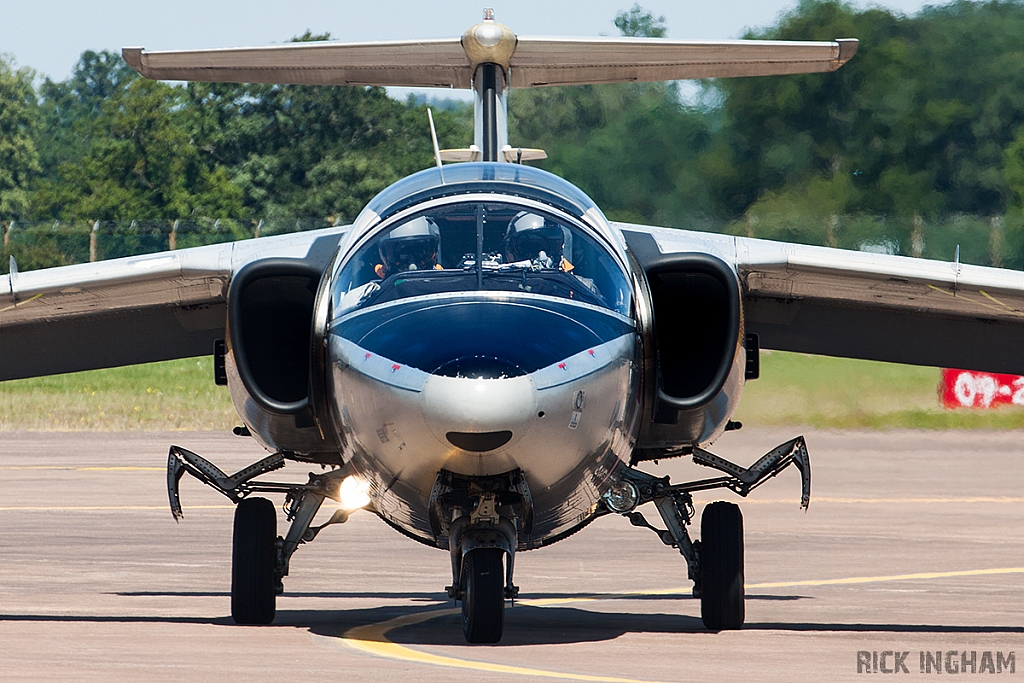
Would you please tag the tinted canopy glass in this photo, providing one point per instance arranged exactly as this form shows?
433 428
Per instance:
481 245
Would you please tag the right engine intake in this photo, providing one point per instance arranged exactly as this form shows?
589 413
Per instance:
695 370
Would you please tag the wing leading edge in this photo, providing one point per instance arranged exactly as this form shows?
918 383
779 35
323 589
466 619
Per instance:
853 304
132 310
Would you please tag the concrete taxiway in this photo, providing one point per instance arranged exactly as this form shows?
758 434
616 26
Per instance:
914 541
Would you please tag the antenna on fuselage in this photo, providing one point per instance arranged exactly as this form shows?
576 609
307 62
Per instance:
433 140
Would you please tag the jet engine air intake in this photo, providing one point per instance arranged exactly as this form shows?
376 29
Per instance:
694 362
269 325
697 326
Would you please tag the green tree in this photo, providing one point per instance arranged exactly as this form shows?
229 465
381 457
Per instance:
69 108
1013 169
312 150
19 160
141 164
636 21
918 121
632 147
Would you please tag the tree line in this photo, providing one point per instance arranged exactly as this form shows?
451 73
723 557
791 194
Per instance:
914 147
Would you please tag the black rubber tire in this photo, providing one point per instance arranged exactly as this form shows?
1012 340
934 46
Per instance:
483 605
253 562
721 567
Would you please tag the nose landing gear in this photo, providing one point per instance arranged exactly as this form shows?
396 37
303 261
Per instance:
483 552
487 515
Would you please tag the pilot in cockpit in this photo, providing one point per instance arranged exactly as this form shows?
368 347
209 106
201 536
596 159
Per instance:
538 243
415 245
411 246
532 240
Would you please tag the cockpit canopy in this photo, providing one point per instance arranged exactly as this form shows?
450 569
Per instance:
514 180
475 242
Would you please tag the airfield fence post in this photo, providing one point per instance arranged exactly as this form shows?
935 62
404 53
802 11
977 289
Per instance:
832 231
917 237
93 238
995 242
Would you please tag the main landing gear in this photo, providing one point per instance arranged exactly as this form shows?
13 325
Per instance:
715 562
259 557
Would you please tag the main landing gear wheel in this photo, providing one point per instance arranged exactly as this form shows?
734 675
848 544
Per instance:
253 562
721 567
483 602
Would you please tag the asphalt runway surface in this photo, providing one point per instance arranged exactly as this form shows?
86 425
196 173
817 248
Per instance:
914 542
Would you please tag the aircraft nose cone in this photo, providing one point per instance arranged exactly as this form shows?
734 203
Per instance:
478 415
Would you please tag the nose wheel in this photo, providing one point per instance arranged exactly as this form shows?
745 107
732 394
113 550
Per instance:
253 562
483 600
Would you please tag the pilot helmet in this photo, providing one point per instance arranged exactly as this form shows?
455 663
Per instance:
531 234
411 246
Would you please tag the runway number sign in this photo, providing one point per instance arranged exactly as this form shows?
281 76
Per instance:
969 389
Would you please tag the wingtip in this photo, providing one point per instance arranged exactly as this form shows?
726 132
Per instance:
847 49
133 56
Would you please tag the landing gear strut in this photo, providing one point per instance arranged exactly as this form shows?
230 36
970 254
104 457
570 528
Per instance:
715 562
259 557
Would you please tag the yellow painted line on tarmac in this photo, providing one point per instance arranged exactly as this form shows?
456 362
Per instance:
20 303
102 508
373 638
70 468
546 602
896 577
850 580
954 500
121 469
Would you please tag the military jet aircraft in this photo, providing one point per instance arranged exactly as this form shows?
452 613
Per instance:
482 359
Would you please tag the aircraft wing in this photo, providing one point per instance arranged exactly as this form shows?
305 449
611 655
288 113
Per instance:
854 304
535 62
131 310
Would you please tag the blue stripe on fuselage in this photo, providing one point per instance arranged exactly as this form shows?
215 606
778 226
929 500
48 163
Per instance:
527 334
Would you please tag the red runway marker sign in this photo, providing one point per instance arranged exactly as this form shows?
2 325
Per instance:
969 389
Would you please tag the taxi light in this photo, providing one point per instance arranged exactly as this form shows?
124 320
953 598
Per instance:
354 493
621 497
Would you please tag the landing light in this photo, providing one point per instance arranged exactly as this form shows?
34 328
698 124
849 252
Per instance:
621 497
354 493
